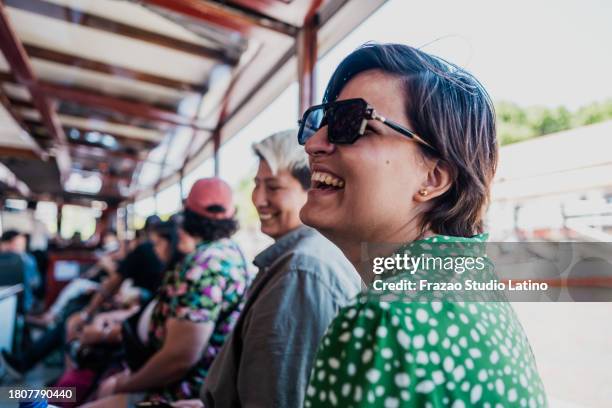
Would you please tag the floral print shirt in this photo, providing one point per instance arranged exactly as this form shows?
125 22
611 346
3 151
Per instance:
208 286
389 351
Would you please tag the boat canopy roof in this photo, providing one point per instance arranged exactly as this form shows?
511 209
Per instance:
112 99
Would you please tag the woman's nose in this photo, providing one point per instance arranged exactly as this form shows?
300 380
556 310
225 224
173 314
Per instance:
319 144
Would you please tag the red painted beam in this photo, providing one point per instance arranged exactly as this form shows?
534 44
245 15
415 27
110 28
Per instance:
307 58
7 151
130 108
289 11
225 16
76 16
18 60
109 69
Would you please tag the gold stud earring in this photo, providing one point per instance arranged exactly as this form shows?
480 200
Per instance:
423 192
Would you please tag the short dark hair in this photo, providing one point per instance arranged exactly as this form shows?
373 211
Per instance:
10 235
450 109
151 221
168 231
206 228
139 233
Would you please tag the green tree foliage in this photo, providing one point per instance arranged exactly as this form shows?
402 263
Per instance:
515 123
247 214
593 113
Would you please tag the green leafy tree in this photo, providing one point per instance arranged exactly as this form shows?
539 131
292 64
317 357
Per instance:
512 123
544 121
247 214
593 113
515 123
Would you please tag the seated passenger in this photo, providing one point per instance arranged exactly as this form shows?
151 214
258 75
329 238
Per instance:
16 242
89 281
197 305
303 281
141 265
106 326
404 161
140 236
105 334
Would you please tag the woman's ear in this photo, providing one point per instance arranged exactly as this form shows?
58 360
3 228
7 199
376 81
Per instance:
438 182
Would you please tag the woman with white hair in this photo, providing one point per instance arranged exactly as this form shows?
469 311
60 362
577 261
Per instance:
303 281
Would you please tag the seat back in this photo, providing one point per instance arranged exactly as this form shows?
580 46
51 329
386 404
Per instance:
11 269
12 272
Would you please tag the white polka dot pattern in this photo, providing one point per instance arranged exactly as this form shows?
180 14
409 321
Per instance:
474 355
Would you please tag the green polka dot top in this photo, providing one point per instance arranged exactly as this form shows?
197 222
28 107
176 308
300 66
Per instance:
382 352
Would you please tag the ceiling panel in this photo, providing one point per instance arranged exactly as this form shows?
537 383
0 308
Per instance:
135 15
11 135
112 85
109 48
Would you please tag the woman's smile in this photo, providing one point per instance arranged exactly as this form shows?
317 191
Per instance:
267 216
327 188
326 181
277 197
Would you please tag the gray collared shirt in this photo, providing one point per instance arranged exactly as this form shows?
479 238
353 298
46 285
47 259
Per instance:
303 281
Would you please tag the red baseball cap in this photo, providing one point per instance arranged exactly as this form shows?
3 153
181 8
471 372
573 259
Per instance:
212 198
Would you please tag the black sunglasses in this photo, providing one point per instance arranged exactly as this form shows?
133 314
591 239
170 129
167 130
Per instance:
346 122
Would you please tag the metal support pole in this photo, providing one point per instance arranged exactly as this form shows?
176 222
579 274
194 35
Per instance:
307 59
181 187
58 220
216 146
155 200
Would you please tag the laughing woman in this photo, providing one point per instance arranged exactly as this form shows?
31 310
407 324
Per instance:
403 153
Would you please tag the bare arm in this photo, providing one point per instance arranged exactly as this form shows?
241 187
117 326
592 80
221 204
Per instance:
183 347
109 287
